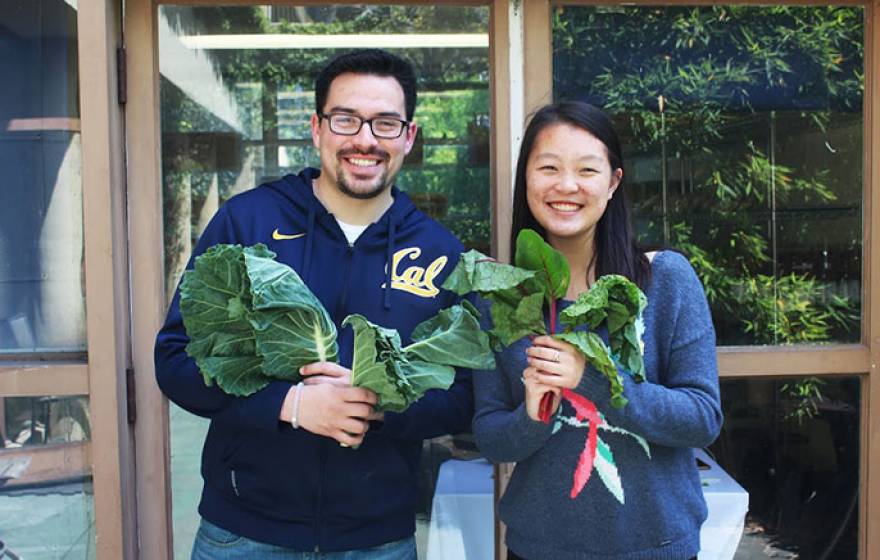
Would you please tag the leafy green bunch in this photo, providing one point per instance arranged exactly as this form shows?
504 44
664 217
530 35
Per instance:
542 275
251 319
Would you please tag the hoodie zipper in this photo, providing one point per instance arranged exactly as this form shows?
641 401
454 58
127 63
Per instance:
320 504
343 297
340 308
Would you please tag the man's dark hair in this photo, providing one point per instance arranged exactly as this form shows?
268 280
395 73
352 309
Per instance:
374 62
616 251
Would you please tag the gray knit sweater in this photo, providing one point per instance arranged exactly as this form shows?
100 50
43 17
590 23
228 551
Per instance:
642 497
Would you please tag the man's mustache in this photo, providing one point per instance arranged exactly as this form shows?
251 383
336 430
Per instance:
348 152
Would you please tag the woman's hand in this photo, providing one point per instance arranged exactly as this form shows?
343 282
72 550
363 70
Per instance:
556 363
535 390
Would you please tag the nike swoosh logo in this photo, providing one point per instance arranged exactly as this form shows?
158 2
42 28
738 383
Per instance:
278 236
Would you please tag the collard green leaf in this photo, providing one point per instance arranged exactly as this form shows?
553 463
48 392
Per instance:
453 338
214 302
401 376
423 376
212 293
476 272
251 319
292 328
375 366
533 253
236 376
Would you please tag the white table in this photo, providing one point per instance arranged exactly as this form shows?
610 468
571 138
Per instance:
728 504
462 516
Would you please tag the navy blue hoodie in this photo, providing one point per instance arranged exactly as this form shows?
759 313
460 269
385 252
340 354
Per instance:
271 483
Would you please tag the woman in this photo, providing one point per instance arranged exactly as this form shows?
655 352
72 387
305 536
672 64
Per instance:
599 482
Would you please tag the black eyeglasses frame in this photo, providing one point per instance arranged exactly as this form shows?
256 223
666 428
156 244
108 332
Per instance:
404 124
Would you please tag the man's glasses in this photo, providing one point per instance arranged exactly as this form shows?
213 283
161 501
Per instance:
349 125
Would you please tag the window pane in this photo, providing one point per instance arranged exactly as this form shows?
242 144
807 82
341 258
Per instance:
793 444
742 130
234 115
42 305
46 496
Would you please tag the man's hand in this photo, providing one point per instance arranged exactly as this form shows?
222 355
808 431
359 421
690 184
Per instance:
333 411
334 374
326 372
337 412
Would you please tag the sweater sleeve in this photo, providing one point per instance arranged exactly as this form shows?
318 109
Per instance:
682 408
502 429
179 377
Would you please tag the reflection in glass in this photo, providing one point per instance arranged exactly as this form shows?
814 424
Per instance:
235 113
797 455
42 306
46 495
743 130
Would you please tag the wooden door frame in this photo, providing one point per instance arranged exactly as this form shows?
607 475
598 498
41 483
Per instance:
98 373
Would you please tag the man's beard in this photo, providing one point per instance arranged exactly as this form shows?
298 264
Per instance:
345 188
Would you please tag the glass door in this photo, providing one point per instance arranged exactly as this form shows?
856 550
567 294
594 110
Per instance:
235 95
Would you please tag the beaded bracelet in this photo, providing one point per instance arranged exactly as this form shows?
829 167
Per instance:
294 416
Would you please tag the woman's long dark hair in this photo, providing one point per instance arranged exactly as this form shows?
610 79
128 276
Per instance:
616 251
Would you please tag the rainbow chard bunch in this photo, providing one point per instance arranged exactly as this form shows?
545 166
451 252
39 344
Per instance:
251 319
541 277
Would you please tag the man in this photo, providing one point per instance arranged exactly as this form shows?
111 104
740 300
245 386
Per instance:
312 468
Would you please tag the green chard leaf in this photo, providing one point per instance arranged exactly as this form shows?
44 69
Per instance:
476 272
618 301
292 328
598 356
533 253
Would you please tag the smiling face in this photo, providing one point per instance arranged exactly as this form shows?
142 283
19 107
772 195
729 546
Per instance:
362 166
569 182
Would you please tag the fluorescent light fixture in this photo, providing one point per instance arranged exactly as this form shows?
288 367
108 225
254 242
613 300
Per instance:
288 41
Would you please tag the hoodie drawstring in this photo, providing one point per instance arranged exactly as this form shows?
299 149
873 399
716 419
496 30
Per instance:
307 254
392 230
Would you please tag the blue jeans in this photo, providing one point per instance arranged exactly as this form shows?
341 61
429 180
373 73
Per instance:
215 543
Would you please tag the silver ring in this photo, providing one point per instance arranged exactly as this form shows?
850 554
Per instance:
556 357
